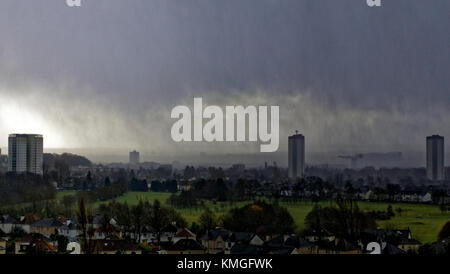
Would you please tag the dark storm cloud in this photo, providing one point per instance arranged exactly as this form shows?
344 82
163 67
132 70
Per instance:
358 75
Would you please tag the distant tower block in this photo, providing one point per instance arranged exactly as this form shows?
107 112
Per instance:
25 153
296 160
435 158
134 158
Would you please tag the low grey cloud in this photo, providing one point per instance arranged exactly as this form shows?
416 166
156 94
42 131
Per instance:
106 75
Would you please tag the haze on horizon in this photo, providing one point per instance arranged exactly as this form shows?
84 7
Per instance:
104 77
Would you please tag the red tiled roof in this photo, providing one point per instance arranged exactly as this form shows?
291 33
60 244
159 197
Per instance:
185 233
29 219
42 245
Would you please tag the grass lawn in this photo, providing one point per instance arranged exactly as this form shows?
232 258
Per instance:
60 194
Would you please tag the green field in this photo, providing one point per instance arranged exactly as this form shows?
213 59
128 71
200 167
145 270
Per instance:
425 221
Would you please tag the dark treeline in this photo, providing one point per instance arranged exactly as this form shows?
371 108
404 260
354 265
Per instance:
344 220
261 218
215 190
23 188
265 219
167 186
53 160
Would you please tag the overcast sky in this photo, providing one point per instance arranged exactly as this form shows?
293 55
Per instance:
107 75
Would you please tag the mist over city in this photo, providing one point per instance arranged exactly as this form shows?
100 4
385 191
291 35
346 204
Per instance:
103 78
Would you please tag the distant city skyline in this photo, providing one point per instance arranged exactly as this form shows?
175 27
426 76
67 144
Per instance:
106 155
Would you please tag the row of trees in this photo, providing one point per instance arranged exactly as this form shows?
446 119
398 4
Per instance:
343 219
168 186
145 216
259 217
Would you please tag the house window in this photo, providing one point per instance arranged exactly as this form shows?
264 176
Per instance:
23 248
219 244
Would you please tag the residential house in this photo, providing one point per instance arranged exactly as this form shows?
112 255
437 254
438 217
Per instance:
26 221
369 196
244 238
300 245
61 219
409 245
289 244
322 235
276 243
34 243
46 227
240 237
3 235
115 246
7 223
183 233
99 220
168 233
69 229
184 246
343 246
215 241
148 235
243 243
427 198
184 185
390 249
400 238
2 247
102 232
246 249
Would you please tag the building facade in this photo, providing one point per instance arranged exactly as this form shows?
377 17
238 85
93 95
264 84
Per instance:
25 153
296 151
435 158
134 158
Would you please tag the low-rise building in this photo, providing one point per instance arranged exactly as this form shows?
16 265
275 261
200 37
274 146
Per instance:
69 230
115 246
183 233
7 223
46 227
26 221
184 246
2 247
409 245
34 244
215 241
